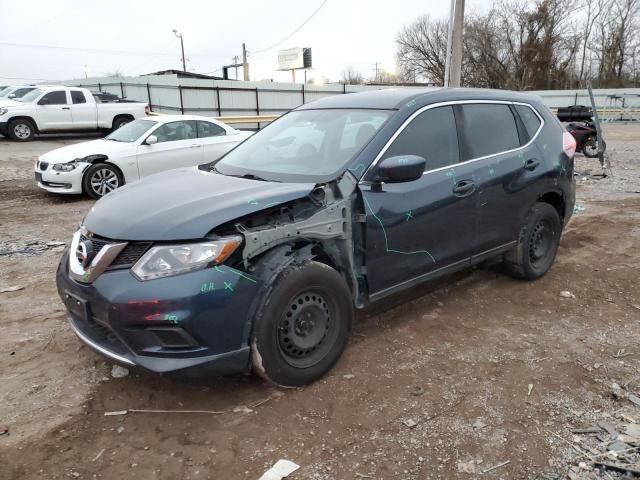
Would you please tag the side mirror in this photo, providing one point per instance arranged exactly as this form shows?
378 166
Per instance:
43 101
400 168
12 95
151 140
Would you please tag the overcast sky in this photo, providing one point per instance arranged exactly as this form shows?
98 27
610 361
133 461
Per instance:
67 37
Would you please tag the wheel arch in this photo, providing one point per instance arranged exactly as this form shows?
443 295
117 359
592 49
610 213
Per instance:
24 117
128 116
270 264
556 200
95 159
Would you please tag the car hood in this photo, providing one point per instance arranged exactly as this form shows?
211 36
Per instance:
81 150
6 102
184 204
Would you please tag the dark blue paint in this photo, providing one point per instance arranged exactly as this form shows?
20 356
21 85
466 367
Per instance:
184 204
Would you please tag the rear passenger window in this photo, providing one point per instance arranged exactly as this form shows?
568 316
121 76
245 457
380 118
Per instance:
431 135
488 128
77 97
529 118
209 129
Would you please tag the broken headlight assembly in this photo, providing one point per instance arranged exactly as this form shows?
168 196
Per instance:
168 260
65 167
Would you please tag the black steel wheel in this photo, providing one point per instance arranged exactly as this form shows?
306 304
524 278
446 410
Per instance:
303 324
537 245
541 243
305 333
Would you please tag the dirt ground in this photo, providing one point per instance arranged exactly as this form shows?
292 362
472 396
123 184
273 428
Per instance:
443 381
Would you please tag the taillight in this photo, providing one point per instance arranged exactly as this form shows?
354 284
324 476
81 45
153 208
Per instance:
147 109
568 144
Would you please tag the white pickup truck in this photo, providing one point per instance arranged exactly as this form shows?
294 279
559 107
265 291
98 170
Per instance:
52 109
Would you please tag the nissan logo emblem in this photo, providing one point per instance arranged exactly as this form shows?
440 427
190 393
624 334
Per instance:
84 253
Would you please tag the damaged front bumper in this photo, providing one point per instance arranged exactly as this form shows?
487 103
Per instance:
199 322
59 182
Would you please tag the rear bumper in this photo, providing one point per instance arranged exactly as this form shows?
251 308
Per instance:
196 323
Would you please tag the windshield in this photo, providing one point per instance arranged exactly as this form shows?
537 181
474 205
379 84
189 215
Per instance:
131 131
21 92
304 145
4 92
32 95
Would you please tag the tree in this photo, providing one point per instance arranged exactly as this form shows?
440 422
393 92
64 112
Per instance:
352 77
617 40
115 73
594 10
421 50
540 44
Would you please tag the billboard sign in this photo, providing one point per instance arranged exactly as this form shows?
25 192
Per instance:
294 58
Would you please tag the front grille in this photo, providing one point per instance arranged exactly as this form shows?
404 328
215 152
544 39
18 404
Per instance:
96 243
131 254
44 166
127 257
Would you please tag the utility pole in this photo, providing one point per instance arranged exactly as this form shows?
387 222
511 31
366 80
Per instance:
235 65
375 66
179 35
455 70
245 65
447 62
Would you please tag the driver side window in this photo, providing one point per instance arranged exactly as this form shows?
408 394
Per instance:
431 135
54 98
174 131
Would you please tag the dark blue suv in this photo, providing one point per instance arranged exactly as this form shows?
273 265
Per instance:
258 260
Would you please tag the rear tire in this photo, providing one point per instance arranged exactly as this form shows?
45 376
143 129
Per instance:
537 245
21 130
120 121
100 179
303 325
590 147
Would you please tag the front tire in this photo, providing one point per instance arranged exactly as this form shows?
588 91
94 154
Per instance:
304 325
21 130
100 179
537 244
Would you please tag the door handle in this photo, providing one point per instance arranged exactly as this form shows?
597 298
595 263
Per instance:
195 145
66 108
464 188
531 164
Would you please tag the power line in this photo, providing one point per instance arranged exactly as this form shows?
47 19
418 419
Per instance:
295 31
113 52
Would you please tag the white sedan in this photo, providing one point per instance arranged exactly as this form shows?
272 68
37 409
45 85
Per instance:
138 149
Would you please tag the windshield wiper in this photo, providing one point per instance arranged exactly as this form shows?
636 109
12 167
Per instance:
248 176
251 176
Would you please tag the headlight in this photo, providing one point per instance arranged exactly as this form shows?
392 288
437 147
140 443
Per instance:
65 167
3 111
168 260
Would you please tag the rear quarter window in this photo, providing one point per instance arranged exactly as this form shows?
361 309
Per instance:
488 128
529 118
